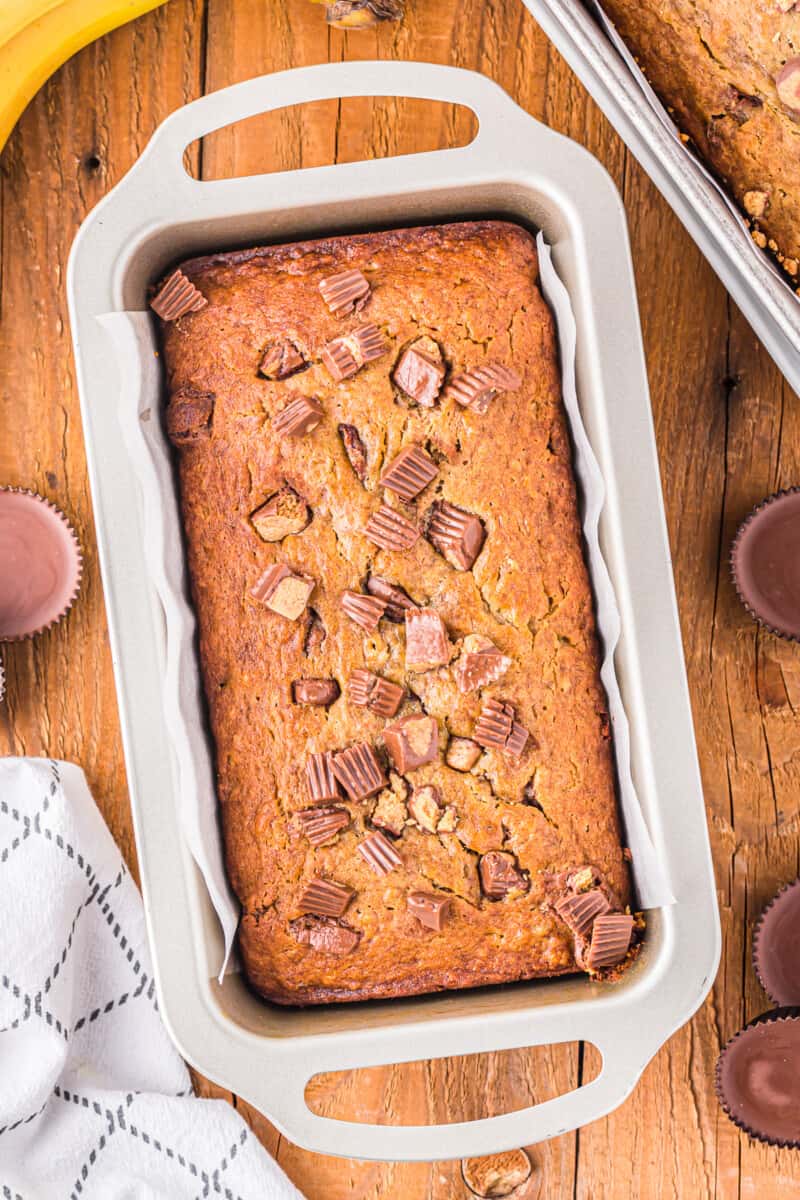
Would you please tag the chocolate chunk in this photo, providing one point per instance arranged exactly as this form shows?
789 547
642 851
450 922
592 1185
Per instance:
315 633
456 534
176 297
345 355
355 450
462 753
787 82
189 414
320 778
420 372
412 741
317 692
500 875
480 664
425 806
409 473
366 611
324 934
281 515
280 360
429 910
321 825
398 601
390 530
426 640
381 696
379 853
611 937
579 912
477 388
345 292
358 770
497 728
324 898
390 812
283 592
299 417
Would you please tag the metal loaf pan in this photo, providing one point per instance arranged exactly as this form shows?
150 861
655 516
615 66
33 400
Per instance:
517 168
764 298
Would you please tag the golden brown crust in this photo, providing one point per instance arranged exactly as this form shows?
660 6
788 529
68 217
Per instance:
715 67
473 289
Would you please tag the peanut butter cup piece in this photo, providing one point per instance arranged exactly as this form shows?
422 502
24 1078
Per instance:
379 853
408 473
281 360
380 696
497 728
345 292
462 753
390 530
456 534
366 611
321 825
500 875
358 770
425 807
176 297
390 813
428 908
299 417
579 911
40 564
758 1078
321 781
189 416
480 663
420 372
324 898
477 388
344 356
776 946
281 515
412 741
787 82
318 693
355 450
427 645
283 592
765 562
397 600
611 938
325 934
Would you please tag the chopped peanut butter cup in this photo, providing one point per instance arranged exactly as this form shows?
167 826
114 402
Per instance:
344 356
355 450
176 297
456 534
787 82
390 530
325 934
409 473
283 592
429 909
379 853
412 741
345 292
462 753
321 825
398 602
477 388
281 515
420 372
480 664
324 898
299 417
189 416
320 778
318 693
425 807
500 875
358 771
281 360
579 912
497 728
366 611
380 696
427 644
611 938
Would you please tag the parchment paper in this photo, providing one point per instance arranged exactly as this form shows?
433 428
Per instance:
133 338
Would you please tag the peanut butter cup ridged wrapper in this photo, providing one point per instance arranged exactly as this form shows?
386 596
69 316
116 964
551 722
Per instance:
40 564
758 1078
776 946
765 563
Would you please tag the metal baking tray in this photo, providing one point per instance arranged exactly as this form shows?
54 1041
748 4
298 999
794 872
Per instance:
516 168
766 301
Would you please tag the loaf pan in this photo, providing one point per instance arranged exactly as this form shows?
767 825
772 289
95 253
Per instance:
518 169
765 299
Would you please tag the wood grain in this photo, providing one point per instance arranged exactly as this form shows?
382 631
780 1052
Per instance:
728 432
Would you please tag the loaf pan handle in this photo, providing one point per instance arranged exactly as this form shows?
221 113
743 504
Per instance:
163 156
625 1052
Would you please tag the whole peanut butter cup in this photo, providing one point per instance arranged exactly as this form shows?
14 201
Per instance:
765 563
40 564
776 946
758 1078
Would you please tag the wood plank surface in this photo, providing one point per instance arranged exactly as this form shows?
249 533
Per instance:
728 432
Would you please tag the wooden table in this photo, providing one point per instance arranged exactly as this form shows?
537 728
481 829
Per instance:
728 433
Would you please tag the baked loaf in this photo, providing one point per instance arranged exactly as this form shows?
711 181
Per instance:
395 621
730 74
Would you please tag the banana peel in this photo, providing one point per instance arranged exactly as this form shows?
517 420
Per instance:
37 36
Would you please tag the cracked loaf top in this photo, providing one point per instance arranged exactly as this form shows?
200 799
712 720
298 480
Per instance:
396 626
730 75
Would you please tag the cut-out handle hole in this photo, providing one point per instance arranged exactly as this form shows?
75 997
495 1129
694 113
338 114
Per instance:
322 132
450 1090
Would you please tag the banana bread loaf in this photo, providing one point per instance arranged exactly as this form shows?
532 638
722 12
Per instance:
730 74
395 619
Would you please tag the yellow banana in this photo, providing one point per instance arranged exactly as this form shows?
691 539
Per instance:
37 36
